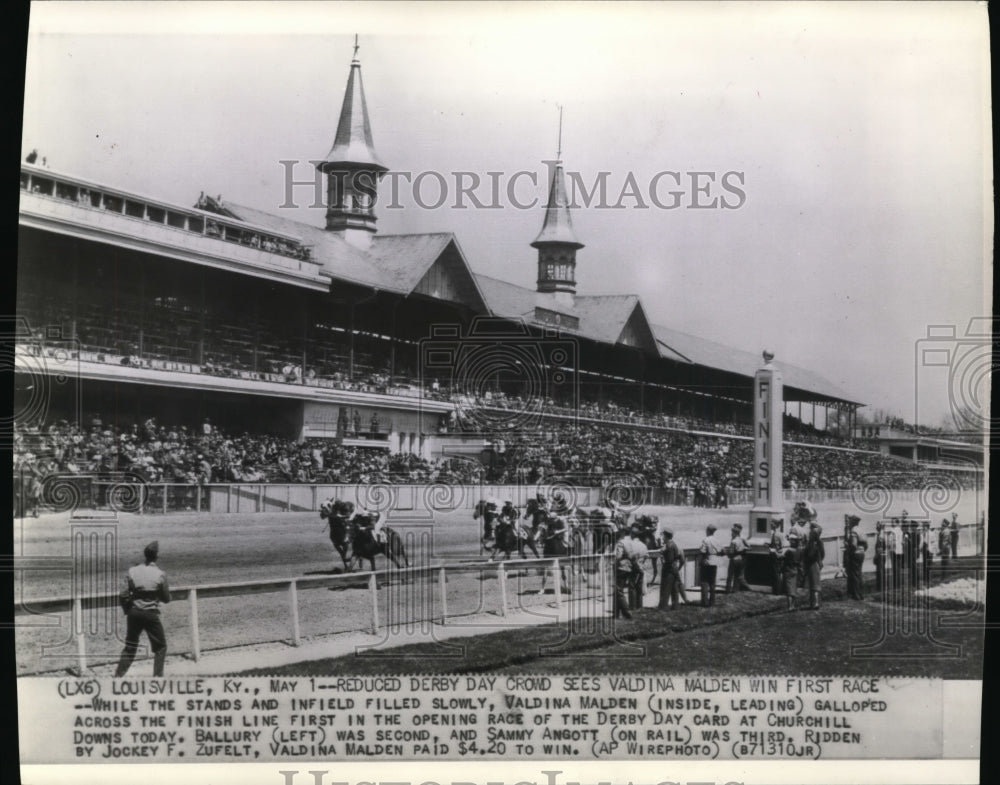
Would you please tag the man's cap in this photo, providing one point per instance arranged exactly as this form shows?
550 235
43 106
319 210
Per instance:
853 520
667 533
737 527
944 521
152 549
777 521
711 528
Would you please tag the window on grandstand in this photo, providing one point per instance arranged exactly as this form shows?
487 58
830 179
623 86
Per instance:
175 219
40 185
66 191
112 203
135 209
155 214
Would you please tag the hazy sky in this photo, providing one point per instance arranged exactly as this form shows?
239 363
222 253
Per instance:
862 133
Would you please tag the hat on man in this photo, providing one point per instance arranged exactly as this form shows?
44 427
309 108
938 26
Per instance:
152 550
668 534
737 527
944 522
775 522
853 520
711 528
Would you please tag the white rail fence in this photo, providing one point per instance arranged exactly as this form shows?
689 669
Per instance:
243 498
436 579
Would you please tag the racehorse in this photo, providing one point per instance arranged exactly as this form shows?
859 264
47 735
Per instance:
603 525
487 510
367 546
556 536
510 535
338 513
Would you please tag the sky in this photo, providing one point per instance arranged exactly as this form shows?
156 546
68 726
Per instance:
858 135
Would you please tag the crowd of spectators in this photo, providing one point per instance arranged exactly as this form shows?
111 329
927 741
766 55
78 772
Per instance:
609 411
700 469
702 466
177 454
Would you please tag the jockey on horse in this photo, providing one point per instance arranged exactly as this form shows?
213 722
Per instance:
489 510
537 510
338 513
510 534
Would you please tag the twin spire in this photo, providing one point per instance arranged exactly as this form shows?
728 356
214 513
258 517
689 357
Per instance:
352 167
353 170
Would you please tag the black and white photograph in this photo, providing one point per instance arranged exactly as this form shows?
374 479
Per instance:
411 389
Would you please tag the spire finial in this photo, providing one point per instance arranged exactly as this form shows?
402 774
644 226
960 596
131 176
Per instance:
356 47
559 151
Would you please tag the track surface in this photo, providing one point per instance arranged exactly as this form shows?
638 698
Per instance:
197 549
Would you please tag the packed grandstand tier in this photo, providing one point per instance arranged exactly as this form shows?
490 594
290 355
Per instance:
586 454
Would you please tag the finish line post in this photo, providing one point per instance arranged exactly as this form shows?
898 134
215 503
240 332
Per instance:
768 496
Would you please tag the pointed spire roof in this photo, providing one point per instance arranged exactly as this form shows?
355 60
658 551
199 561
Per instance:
353 143
557 226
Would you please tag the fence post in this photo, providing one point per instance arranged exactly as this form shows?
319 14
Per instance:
373 588
288 498
502 578
197 504
557 577
314 492
165 498
443 583
81 643
602 567
293 606
229 498
260 497
195 642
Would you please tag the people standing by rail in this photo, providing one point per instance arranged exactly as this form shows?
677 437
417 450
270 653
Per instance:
672 581
854 558
144 588
709 565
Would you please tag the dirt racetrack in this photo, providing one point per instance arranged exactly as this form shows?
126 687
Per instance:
199 549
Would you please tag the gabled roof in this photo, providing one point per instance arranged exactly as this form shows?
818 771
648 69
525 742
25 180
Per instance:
394 262
601 317
690 348
406 257
604 316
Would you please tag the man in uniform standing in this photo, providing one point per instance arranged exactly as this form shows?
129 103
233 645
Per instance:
854 558
776 549
737 549
630 558
709 567
144 588
671 584
881 547
944 544
954 535
812 560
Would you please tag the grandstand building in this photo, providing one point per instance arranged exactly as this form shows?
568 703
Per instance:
132 306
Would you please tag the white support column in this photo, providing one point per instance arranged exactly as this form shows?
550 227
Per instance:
502 579
195 642
443 584
373 589
293 607
81 643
